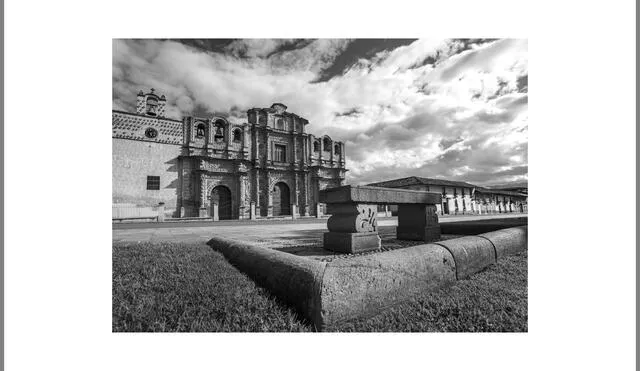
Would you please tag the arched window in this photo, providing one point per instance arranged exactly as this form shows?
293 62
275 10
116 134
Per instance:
237 135
336 149
219 134
316 146
152 105
200 129
279 124
326 144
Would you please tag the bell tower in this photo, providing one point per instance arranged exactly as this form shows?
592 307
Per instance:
150 104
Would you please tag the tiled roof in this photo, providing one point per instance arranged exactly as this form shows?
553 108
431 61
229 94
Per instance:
415 180
500 192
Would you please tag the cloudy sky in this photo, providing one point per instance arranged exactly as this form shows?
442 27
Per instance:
453 108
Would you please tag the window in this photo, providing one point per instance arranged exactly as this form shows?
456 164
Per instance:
153 183
151 133
219 135
237 135
337 149
316 146
200 130
326 144
280 153
152 104
280 124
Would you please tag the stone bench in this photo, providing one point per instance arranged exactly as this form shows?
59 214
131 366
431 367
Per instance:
353 225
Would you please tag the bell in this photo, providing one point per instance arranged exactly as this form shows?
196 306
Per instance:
219 131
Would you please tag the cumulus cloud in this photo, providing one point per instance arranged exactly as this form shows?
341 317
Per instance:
435 108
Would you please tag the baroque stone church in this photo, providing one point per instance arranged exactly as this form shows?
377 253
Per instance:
210 167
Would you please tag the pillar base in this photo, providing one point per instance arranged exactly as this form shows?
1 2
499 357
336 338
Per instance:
252 211
426 234
351 243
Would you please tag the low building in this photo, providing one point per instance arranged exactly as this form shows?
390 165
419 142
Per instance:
210 167
461 197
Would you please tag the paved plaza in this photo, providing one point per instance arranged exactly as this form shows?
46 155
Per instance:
269 231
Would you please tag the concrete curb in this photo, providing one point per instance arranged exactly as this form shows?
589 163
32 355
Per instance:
471 254
292 279
329 294
363 286
508 241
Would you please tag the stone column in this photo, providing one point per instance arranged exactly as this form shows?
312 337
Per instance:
418 222
352 228
318 210
245 133
252 211
215 215
203 197
294 210
270 196
227 137
242 178
294 139
307 189
331 152
257 190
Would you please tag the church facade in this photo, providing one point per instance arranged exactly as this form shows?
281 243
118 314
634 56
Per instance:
209 167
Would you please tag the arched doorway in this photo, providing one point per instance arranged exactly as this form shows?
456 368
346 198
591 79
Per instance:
221 196
281 200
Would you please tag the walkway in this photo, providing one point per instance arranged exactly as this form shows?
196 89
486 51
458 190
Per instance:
282 229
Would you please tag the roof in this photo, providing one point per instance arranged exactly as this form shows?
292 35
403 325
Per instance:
500 192
415 180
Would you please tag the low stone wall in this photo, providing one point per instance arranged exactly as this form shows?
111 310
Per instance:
365 285
291 278
331 293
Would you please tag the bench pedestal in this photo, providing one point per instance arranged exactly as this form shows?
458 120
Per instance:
352 228
351 243
418 222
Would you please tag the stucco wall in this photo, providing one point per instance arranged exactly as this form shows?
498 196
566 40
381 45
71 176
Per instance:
133 161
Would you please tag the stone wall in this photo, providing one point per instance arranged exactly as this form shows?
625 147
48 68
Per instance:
132 161
194 155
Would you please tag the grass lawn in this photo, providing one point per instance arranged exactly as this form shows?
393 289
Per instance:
191 288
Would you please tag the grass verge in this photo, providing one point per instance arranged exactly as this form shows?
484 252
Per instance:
166 287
